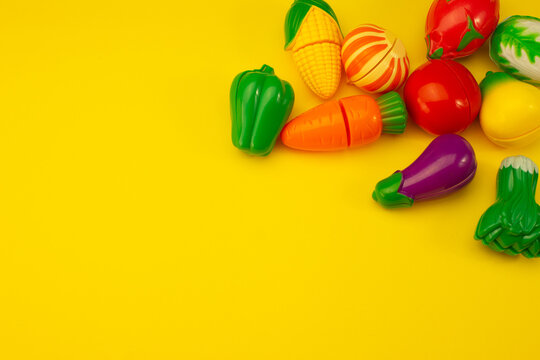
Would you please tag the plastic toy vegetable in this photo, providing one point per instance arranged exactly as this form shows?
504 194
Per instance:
515 47
260 105
313 35
446 165
374 59
348 122
510 114
457 28
442 97
512 224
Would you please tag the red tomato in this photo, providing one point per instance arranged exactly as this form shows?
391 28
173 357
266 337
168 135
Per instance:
442 97
457 28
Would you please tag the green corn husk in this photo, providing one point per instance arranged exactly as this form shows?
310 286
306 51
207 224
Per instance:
297 13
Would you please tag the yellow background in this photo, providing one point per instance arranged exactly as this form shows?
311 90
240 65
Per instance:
131 228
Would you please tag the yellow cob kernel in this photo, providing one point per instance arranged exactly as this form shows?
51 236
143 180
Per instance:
317 52
320 67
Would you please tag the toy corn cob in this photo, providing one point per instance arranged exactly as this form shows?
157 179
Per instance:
313 34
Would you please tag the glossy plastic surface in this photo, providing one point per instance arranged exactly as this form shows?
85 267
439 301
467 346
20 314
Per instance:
515 47
510 114
260 105
374 59
298 12
348 122
512 224
442 97
313 35
457 28
445 166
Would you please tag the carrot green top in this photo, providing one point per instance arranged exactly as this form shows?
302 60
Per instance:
298 12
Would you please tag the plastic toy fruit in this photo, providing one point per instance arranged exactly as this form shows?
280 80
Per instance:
313 35
457 28
442 97
446 165
512 224
510 114
348 122
374 59
260 105
515 47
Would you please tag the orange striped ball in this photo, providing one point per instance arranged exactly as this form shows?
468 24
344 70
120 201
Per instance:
374 59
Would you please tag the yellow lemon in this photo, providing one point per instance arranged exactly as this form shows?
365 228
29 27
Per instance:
510 114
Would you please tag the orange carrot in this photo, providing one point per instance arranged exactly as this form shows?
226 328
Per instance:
348 122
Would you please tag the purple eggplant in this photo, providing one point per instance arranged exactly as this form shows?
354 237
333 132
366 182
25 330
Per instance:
447 164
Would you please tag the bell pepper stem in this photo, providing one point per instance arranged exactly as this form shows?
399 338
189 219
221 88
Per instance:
267 69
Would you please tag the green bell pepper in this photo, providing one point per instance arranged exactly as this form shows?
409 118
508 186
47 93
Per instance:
260 105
